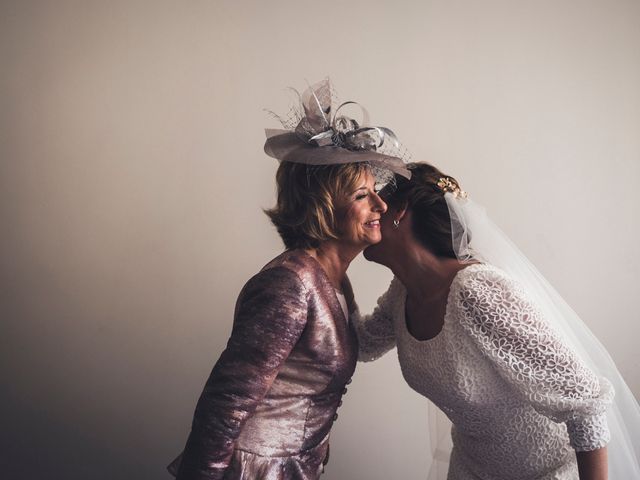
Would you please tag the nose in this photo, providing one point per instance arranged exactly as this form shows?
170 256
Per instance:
378 204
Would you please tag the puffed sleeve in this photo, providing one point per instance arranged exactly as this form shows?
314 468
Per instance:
512 333
375 331
271 313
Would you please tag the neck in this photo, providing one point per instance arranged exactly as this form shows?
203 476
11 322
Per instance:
334 260
425 276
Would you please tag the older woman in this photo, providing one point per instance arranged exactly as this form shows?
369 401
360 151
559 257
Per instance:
486 346
270 401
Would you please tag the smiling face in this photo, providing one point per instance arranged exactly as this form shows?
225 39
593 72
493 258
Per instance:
359 214
380 251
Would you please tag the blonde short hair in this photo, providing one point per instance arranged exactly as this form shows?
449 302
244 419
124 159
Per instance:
305 211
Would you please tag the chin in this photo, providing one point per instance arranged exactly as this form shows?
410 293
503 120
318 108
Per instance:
371 253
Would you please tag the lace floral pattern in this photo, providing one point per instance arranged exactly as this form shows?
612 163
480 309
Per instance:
520 400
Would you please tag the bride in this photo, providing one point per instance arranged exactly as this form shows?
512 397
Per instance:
482 335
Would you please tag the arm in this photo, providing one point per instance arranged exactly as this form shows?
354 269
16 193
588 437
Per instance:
270 316
531 357
375 332
592 465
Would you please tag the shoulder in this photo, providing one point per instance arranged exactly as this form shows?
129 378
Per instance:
488 299
293 270
281 276
486 293
484 280
276 293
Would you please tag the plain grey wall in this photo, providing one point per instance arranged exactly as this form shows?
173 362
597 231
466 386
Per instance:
132 180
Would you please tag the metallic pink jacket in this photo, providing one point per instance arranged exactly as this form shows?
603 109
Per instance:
271 399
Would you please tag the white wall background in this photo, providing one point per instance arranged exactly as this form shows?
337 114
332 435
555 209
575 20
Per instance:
132 180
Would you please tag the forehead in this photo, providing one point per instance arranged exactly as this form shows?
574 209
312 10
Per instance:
365 177
364 181
353 180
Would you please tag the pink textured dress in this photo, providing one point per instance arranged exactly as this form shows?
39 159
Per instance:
271 399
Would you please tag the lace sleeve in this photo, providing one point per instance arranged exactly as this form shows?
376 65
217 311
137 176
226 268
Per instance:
271 313
532 358
375 331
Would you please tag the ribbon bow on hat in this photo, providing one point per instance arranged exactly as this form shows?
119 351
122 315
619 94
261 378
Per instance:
322 138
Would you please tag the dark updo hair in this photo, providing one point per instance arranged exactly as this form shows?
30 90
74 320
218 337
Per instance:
431 223
305 211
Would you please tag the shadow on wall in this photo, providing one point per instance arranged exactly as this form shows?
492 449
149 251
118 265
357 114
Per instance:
40 444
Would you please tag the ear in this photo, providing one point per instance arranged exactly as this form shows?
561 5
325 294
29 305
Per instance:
400 211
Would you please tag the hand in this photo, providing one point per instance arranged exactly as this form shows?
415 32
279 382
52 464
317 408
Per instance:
592 465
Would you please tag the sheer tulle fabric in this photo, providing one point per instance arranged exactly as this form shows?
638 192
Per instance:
476 237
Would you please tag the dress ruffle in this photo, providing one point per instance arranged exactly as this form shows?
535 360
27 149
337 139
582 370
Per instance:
244 465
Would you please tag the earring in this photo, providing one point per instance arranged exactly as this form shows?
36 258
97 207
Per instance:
396 223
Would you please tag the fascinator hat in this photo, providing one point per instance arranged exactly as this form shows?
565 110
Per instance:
317 132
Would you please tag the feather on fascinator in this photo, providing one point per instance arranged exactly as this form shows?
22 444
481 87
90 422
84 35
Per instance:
315 134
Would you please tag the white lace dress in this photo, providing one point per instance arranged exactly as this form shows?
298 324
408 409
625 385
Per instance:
521 402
